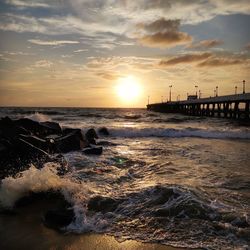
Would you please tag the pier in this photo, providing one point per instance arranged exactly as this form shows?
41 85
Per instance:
235 106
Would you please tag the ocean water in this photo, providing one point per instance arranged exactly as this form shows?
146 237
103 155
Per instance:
177 180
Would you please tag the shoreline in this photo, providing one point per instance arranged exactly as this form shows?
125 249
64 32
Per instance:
25 230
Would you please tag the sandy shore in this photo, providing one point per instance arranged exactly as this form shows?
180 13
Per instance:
25 230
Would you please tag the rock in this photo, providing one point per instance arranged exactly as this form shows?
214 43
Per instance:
36 141
52 127
71 141
93 151
39 129
91 135
9 130
103 131
102 204
58 218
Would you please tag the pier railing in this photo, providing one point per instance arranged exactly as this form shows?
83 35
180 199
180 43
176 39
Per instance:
230 106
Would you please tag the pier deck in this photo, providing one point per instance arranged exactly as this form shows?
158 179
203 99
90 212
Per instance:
230 106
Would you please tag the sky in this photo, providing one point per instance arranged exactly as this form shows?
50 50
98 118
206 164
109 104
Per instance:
74 53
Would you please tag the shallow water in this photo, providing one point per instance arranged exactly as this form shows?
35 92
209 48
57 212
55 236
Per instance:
177 180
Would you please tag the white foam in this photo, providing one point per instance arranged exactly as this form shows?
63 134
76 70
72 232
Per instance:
33 180
186 132
38 117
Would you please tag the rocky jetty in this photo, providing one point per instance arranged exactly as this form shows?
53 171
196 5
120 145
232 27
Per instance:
24 142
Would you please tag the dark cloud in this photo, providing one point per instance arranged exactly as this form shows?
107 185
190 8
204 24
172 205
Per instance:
162 33
189 58
161 25
205 44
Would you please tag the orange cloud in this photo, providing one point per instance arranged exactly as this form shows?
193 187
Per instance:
189 58
217 62
162 33
205 44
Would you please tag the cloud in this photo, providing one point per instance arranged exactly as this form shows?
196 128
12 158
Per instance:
165 39
189 58
247 46
28 4
43 64
80 50
218 62
205 44
108 75
162 33
120 63
51 42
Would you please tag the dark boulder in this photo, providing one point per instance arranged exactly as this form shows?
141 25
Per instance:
37 128
36 141
52 127
102 204
72 141
91 135
93 151
59 218
103 131
9 130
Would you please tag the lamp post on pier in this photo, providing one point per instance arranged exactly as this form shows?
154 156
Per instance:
196 87
199 94
170 86
216 91
236 90
244 83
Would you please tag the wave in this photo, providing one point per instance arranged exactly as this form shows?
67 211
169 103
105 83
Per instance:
31 180
178 133
38 117
169 214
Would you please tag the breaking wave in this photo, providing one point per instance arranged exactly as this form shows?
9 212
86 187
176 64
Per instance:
171 132
38 117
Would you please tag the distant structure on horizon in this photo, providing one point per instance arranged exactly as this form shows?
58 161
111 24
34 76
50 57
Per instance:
228 106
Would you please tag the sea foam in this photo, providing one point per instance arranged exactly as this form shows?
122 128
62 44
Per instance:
32 180
178 133
38 117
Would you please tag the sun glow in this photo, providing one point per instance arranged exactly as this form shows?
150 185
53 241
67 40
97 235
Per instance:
128 89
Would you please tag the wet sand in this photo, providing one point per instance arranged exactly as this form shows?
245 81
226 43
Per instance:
25 230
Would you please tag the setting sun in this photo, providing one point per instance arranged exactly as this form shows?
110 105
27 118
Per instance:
128 88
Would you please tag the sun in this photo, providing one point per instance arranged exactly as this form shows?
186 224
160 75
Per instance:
128 89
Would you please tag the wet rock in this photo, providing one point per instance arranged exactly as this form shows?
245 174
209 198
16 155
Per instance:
93 151
103 131
36 141
72 141
59 218
91 135
102 204
52 127
39 129
31 197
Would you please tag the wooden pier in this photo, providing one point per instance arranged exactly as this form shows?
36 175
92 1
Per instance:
231 106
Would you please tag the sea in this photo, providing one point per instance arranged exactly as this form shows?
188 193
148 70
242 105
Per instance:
182 181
